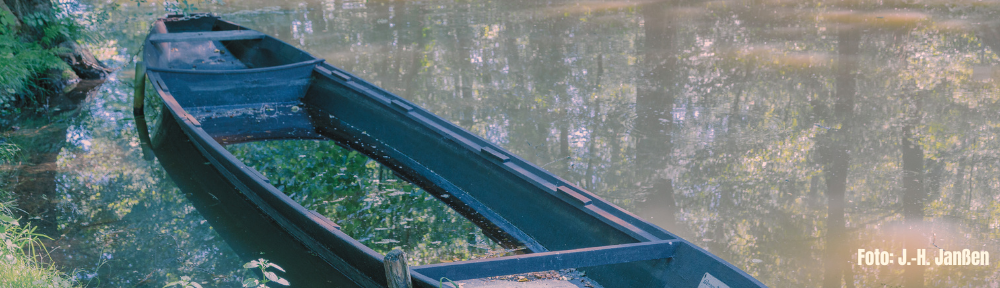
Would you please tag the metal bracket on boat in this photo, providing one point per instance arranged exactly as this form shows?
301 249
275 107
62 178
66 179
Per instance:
554 260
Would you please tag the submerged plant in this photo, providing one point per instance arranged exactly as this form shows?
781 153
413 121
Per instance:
267 276
185 282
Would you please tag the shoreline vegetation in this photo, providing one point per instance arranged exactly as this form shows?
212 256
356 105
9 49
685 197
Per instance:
39 56
40 59
22 253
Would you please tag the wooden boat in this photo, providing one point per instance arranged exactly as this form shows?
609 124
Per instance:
217 79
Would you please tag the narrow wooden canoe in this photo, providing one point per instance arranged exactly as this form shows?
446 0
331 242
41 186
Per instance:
217 79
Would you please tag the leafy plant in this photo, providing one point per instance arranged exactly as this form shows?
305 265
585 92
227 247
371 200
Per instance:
367 200
24 62
9 152
180 7
21 64
185 282
266 276
19 247
8 22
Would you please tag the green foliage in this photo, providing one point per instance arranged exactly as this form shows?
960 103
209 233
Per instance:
8 22
179 7
266 276
9 152
20 65
19 248
23 63
367 200
185 282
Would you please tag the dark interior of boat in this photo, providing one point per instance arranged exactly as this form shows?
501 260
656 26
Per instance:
212 44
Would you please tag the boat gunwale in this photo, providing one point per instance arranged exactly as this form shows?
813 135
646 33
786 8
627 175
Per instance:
540 178
193 128
206 145
315 61
147 42
530 172
293 211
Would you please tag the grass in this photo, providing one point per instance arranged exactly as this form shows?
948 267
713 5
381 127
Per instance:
20 246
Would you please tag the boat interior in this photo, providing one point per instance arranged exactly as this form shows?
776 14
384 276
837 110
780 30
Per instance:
228 85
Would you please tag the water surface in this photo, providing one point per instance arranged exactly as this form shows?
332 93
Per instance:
781 136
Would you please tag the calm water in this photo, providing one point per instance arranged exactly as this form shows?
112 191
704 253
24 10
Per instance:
781 136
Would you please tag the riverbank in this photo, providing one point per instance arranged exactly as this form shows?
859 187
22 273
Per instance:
46 74
23 253
41 57
19 257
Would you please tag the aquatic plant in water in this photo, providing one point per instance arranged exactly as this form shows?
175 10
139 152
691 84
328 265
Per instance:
267 276
185 282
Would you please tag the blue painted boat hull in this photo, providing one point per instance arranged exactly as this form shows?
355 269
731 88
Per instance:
511 199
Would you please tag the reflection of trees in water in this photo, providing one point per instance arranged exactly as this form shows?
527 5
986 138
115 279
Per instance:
120 222
367 200
738 142
653 131
833 149
752 83
756 125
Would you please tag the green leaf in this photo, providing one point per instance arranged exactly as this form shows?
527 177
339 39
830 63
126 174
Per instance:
275 266
271 276
282 281
6 218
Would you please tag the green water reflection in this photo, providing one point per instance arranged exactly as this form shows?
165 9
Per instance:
782 136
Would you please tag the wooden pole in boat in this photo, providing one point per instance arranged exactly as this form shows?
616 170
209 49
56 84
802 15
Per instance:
397 274
138 104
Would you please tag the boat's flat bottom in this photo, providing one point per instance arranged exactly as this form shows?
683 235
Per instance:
202 55
538 283
255 122
567 278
